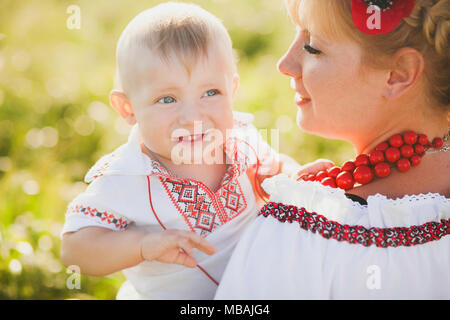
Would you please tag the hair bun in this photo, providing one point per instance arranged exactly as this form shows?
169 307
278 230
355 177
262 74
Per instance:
434 18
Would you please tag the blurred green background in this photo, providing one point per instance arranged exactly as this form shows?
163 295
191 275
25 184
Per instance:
55 120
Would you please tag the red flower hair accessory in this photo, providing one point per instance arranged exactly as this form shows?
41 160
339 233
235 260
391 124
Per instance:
380 16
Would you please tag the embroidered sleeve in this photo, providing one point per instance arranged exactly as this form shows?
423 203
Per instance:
97 207
104 218
79 215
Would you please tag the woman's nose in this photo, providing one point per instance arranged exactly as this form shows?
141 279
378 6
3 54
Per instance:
290 64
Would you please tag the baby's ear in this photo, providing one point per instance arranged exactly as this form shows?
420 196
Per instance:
236 80
119 101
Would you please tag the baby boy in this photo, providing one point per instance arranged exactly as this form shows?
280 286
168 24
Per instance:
168 206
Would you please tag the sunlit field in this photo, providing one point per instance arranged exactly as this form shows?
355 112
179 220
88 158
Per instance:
55 120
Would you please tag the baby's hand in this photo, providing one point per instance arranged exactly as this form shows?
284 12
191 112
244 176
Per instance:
174 246
288 165
314 167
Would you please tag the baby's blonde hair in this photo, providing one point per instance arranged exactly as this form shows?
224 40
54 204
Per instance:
180 29
427 30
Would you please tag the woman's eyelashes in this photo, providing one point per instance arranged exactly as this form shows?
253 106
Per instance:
311 50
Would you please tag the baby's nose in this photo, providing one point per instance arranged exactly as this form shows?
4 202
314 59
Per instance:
189 114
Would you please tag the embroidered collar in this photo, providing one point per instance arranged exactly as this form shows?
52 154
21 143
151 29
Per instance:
238 161
125 160
129 159
358 234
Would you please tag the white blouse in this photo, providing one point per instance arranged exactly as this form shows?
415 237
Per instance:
312 242
127 190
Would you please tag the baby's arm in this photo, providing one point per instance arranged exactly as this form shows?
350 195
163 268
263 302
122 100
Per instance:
287 165
290 167
99 251
313 168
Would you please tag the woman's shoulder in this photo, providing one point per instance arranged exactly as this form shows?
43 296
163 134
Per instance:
335 205
428 178
312 196
383 222
314 231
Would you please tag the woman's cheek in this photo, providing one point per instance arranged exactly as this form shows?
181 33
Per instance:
325 82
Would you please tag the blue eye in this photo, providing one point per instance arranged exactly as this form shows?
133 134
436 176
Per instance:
167 100
311 50
211 93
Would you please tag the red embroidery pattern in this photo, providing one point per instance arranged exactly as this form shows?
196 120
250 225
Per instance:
158 169
239 153
241 123
102 166
232 199
100 170
105 217
381 237
203 210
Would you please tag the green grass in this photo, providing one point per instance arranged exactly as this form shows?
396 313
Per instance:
55 120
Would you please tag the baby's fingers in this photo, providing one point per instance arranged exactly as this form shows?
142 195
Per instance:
201 244
186 246
315 167
185 259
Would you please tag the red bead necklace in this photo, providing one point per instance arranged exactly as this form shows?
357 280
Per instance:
400 151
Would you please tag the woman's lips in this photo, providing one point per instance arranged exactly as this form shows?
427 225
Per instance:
301 101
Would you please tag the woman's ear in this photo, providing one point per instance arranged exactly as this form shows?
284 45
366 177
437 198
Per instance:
236 80
407 67
119 101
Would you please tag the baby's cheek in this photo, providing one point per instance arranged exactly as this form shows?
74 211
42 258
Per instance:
224 119
226 131
156 135
229 122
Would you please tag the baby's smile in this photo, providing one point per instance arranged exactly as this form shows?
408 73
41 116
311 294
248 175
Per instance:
193 138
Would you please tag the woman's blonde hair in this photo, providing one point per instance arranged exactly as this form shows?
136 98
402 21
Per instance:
427 30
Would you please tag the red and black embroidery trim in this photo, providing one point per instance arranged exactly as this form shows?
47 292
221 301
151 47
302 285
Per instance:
104 216
381 237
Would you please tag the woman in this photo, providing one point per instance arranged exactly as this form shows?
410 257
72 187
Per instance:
386 235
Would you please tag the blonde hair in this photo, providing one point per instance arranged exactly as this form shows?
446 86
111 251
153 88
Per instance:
427 30
184 30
